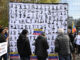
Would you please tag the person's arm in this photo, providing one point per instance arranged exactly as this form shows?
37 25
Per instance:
28 44
46 46
2 38
7 38
75 39
56 45
71 47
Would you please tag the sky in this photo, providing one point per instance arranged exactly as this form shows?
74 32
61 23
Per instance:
74 8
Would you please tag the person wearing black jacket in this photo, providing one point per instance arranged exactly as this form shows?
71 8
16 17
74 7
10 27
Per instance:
23 46
2 37
2 40
41 47
71 36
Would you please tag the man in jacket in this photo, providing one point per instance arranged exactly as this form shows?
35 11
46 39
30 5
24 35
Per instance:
62 45
41 47
23 46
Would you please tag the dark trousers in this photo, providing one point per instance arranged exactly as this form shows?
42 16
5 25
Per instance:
41 58
78 49
25 58
68 57
4 57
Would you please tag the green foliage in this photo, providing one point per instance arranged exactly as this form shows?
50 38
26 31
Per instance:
4 13
36 1
49 1
42 1
78 22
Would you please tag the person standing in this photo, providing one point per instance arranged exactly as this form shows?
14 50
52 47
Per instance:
23 46
62 45
71 36
77 42
3 39
41 47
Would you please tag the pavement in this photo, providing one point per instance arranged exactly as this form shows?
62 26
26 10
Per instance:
77 58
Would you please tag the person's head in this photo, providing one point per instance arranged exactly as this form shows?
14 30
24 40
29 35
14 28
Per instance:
2 31
43 33
69 30
24 32
6 28
60 31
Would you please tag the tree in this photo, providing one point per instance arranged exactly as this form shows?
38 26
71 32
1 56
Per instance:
37 1
4 12
69 22
48 1
78 22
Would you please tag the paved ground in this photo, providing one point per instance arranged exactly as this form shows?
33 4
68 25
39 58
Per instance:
77 58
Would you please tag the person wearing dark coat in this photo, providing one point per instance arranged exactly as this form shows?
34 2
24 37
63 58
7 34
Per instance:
71 36
41 47
2 36
2 40
23 46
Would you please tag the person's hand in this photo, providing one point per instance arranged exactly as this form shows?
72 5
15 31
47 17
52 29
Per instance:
7 38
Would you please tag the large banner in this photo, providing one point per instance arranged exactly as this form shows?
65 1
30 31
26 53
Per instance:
3 48
36 18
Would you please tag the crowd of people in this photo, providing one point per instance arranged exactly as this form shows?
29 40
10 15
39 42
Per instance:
67 45
24 49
